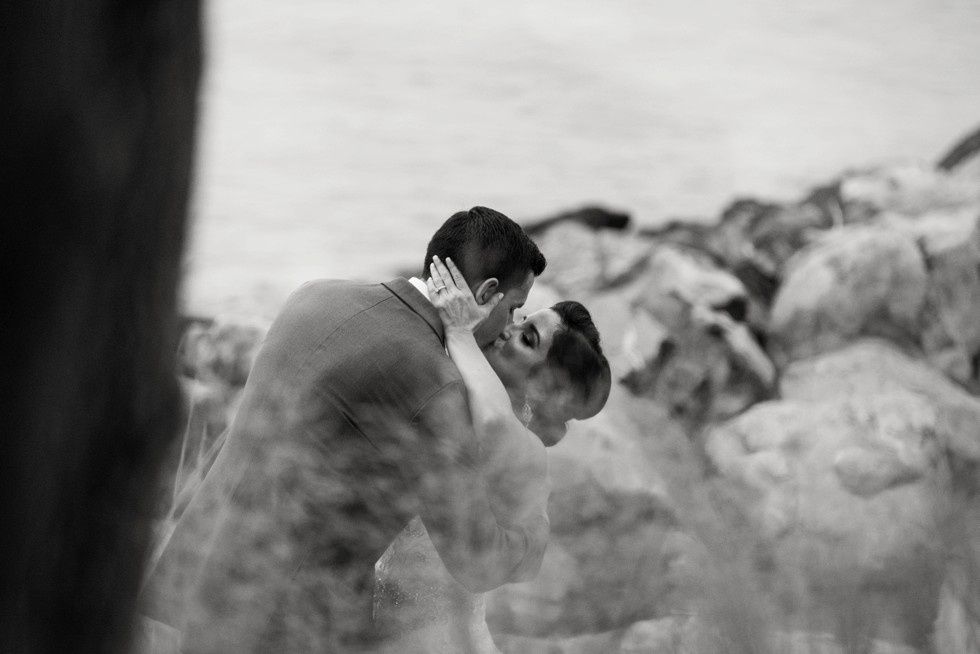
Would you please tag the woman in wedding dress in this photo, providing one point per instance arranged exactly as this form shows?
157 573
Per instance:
537 376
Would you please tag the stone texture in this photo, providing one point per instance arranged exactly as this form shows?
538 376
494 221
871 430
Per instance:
854 281
874 368
841 533
950 329
910 188
611 520
582 260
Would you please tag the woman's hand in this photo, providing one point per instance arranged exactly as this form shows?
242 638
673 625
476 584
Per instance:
453 298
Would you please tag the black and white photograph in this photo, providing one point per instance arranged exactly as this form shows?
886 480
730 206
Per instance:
523 327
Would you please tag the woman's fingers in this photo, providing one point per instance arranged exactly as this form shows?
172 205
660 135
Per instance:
456 274
440 274
445 274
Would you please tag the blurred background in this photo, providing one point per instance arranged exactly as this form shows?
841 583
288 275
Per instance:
336 136
791 453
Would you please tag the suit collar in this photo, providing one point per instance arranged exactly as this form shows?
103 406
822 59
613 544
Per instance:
420 304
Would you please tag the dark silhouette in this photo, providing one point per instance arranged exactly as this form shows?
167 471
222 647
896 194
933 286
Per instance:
589 216
964 149
99 102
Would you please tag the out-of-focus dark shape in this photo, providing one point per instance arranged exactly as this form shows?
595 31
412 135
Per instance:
967 147
99 110
591 216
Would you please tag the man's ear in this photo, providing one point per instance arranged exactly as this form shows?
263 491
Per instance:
486 290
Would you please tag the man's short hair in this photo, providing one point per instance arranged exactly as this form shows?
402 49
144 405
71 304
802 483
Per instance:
485 243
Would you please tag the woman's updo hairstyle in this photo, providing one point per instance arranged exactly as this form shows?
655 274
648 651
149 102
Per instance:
576 357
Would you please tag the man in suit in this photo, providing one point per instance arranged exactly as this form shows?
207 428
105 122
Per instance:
353 420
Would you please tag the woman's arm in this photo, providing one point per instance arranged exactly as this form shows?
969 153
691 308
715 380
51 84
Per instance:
489 402
514 459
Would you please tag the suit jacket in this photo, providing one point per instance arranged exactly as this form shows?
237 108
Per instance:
353 420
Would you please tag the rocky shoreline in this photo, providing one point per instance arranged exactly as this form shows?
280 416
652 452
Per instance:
790 460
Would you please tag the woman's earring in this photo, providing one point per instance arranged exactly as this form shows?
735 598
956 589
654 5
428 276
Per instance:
526 413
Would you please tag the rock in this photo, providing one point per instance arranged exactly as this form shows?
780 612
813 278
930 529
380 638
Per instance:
664 635
611 518
909 188
220 351
537 608
839 543
592 217
766 234
660 636
856 281
645 345
957 626
813 642
965 149
848 481
876 368
676 277
678 342
602 643
684 233
582 261
950 241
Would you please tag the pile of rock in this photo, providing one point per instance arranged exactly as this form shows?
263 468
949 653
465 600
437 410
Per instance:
791 461
790 458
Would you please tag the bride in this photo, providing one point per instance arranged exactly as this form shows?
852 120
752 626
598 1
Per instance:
538 375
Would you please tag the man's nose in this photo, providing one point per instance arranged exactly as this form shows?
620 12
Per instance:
507 332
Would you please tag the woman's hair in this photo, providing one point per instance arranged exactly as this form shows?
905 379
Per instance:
576 356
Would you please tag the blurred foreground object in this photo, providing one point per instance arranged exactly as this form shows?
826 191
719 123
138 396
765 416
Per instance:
99 109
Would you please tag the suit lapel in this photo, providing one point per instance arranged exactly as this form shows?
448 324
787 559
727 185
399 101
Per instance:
404 291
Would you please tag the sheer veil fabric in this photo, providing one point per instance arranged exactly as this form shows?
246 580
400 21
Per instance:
420 608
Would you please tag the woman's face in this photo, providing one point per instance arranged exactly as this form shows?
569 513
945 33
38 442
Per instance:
521 347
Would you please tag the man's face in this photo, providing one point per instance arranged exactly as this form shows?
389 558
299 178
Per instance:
522 347
503 314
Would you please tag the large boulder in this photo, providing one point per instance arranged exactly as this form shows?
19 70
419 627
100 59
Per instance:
611 521
957 628
950 329
766 234
855 281
909 188
843 535
848 480
874 367
682 340
583 260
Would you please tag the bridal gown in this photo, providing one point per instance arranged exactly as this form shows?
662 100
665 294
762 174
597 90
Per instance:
418 602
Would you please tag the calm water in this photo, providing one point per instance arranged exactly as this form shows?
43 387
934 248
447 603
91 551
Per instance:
336 136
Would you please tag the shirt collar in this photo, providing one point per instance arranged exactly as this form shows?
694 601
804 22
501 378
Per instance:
420 285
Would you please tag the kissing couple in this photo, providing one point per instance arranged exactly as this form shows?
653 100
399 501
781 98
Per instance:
387 464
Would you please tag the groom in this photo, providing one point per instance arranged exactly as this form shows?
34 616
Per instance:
353 420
